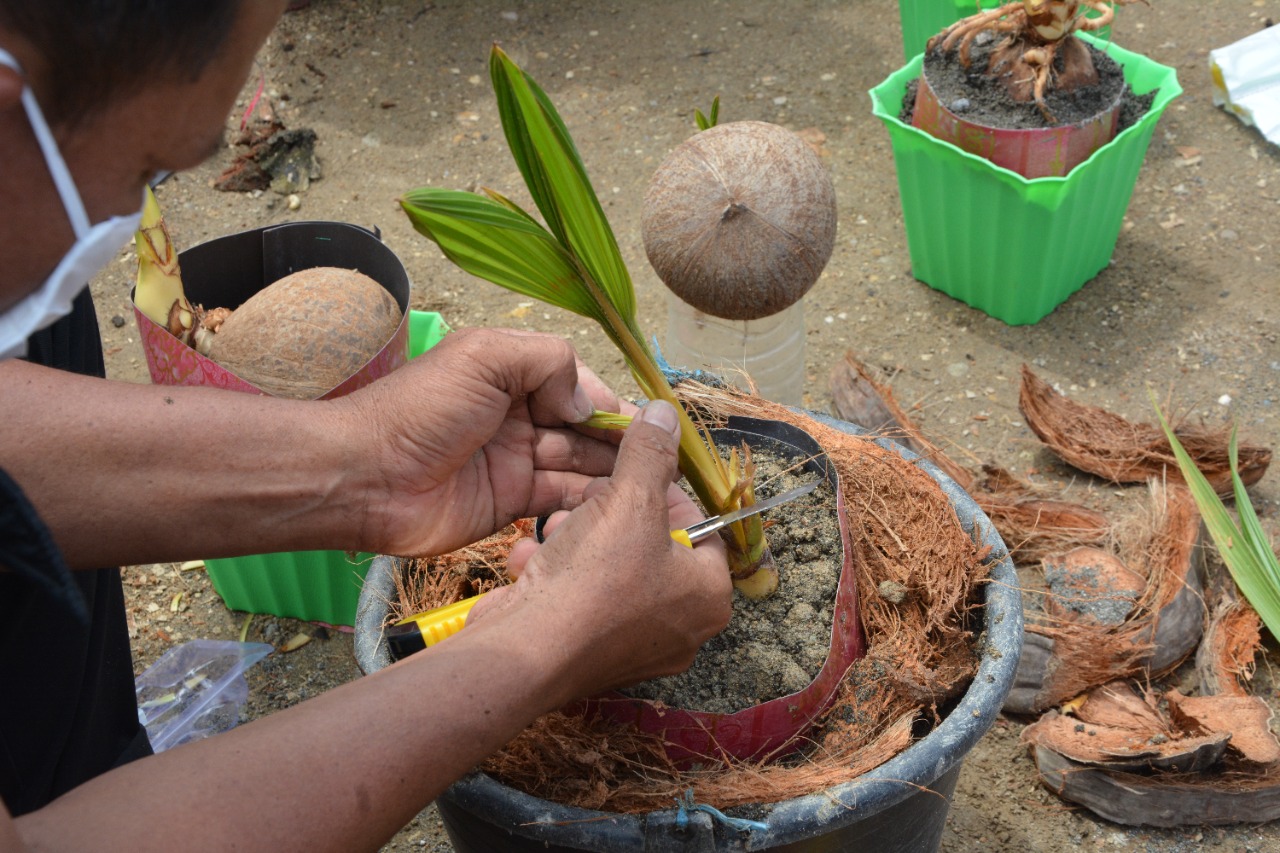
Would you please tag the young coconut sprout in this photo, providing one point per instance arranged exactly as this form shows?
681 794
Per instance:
158 292
740 220
1038 54
574 263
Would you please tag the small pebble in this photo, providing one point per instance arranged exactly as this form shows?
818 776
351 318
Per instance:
294 202
117 321
959 105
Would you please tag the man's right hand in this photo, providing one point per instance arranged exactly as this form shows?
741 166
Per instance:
609 591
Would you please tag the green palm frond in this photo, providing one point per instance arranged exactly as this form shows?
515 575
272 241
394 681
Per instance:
1243 547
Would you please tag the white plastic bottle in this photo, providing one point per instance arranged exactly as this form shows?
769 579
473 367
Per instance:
769 350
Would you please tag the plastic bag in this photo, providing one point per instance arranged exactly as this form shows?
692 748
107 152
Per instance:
195 690
1246 80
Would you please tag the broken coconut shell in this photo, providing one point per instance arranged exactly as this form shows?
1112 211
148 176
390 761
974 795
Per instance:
1088 628
740 220
1117 729
1107 445
1209 760
306 333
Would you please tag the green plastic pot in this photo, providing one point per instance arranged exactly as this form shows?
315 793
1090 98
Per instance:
1012 247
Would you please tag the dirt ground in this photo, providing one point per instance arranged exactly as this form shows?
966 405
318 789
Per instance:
398 95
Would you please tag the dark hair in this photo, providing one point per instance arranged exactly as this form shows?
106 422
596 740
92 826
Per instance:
99 51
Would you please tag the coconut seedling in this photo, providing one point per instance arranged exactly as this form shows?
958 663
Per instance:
1037 53
573 262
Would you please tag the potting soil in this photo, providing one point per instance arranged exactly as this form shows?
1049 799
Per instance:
774 647
980 98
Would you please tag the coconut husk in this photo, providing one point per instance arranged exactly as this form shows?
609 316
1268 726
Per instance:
1246 720
1118 729
858 398
1208 760
430 582
1032 526
1225 657
1167 800
1093 628
920 651
1107 445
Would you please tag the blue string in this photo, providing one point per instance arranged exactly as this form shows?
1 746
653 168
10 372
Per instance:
674 375
738 823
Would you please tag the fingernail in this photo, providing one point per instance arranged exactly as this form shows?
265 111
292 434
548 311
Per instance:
582 402
661 413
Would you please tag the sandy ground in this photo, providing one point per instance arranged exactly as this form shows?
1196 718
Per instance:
398 95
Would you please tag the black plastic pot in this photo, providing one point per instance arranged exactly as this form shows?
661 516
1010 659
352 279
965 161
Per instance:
899 806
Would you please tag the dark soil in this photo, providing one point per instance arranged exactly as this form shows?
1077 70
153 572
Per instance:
979 97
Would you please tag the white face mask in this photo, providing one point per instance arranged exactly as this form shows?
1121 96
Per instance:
95 245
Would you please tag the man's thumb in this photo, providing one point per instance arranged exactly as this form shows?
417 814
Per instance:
649 446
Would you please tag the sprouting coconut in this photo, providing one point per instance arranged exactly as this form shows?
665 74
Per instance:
740 220
1038 53
304 334
300 337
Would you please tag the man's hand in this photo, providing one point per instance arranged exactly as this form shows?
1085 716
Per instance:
476 433
609 588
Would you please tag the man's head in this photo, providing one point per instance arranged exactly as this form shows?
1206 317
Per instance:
89 58
129 88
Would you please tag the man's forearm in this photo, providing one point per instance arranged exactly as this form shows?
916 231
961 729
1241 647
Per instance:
341 772
126 474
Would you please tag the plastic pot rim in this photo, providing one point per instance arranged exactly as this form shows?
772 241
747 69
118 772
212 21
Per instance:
1168 90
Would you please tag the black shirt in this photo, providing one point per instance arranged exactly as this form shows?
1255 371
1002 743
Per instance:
67 706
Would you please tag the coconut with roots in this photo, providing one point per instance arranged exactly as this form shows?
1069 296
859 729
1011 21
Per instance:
740 219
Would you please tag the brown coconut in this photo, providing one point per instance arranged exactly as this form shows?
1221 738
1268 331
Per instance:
306 333
740 219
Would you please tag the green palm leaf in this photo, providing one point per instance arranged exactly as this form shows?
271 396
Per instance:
1244 548
497 241
557 180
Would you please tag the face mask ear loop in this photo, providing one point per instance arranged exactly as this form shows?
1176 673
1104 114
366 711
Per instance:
52 156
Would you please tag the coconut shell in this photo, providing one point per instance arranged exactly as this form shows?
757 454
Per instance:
308 332
740 220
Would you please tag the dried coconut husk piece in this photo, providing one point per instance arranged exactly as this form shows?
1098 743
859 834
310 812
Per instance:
1117 729
1225 657
1034 527
858 398
920 651
1245 719
1107 445
1092 628
1166 800
1184 783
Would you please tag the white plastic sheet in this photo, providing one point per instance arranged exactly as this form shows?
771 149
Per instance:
1246 80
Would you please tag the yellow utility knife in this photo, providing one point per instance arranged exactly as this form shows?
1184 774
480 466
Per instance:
421 630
